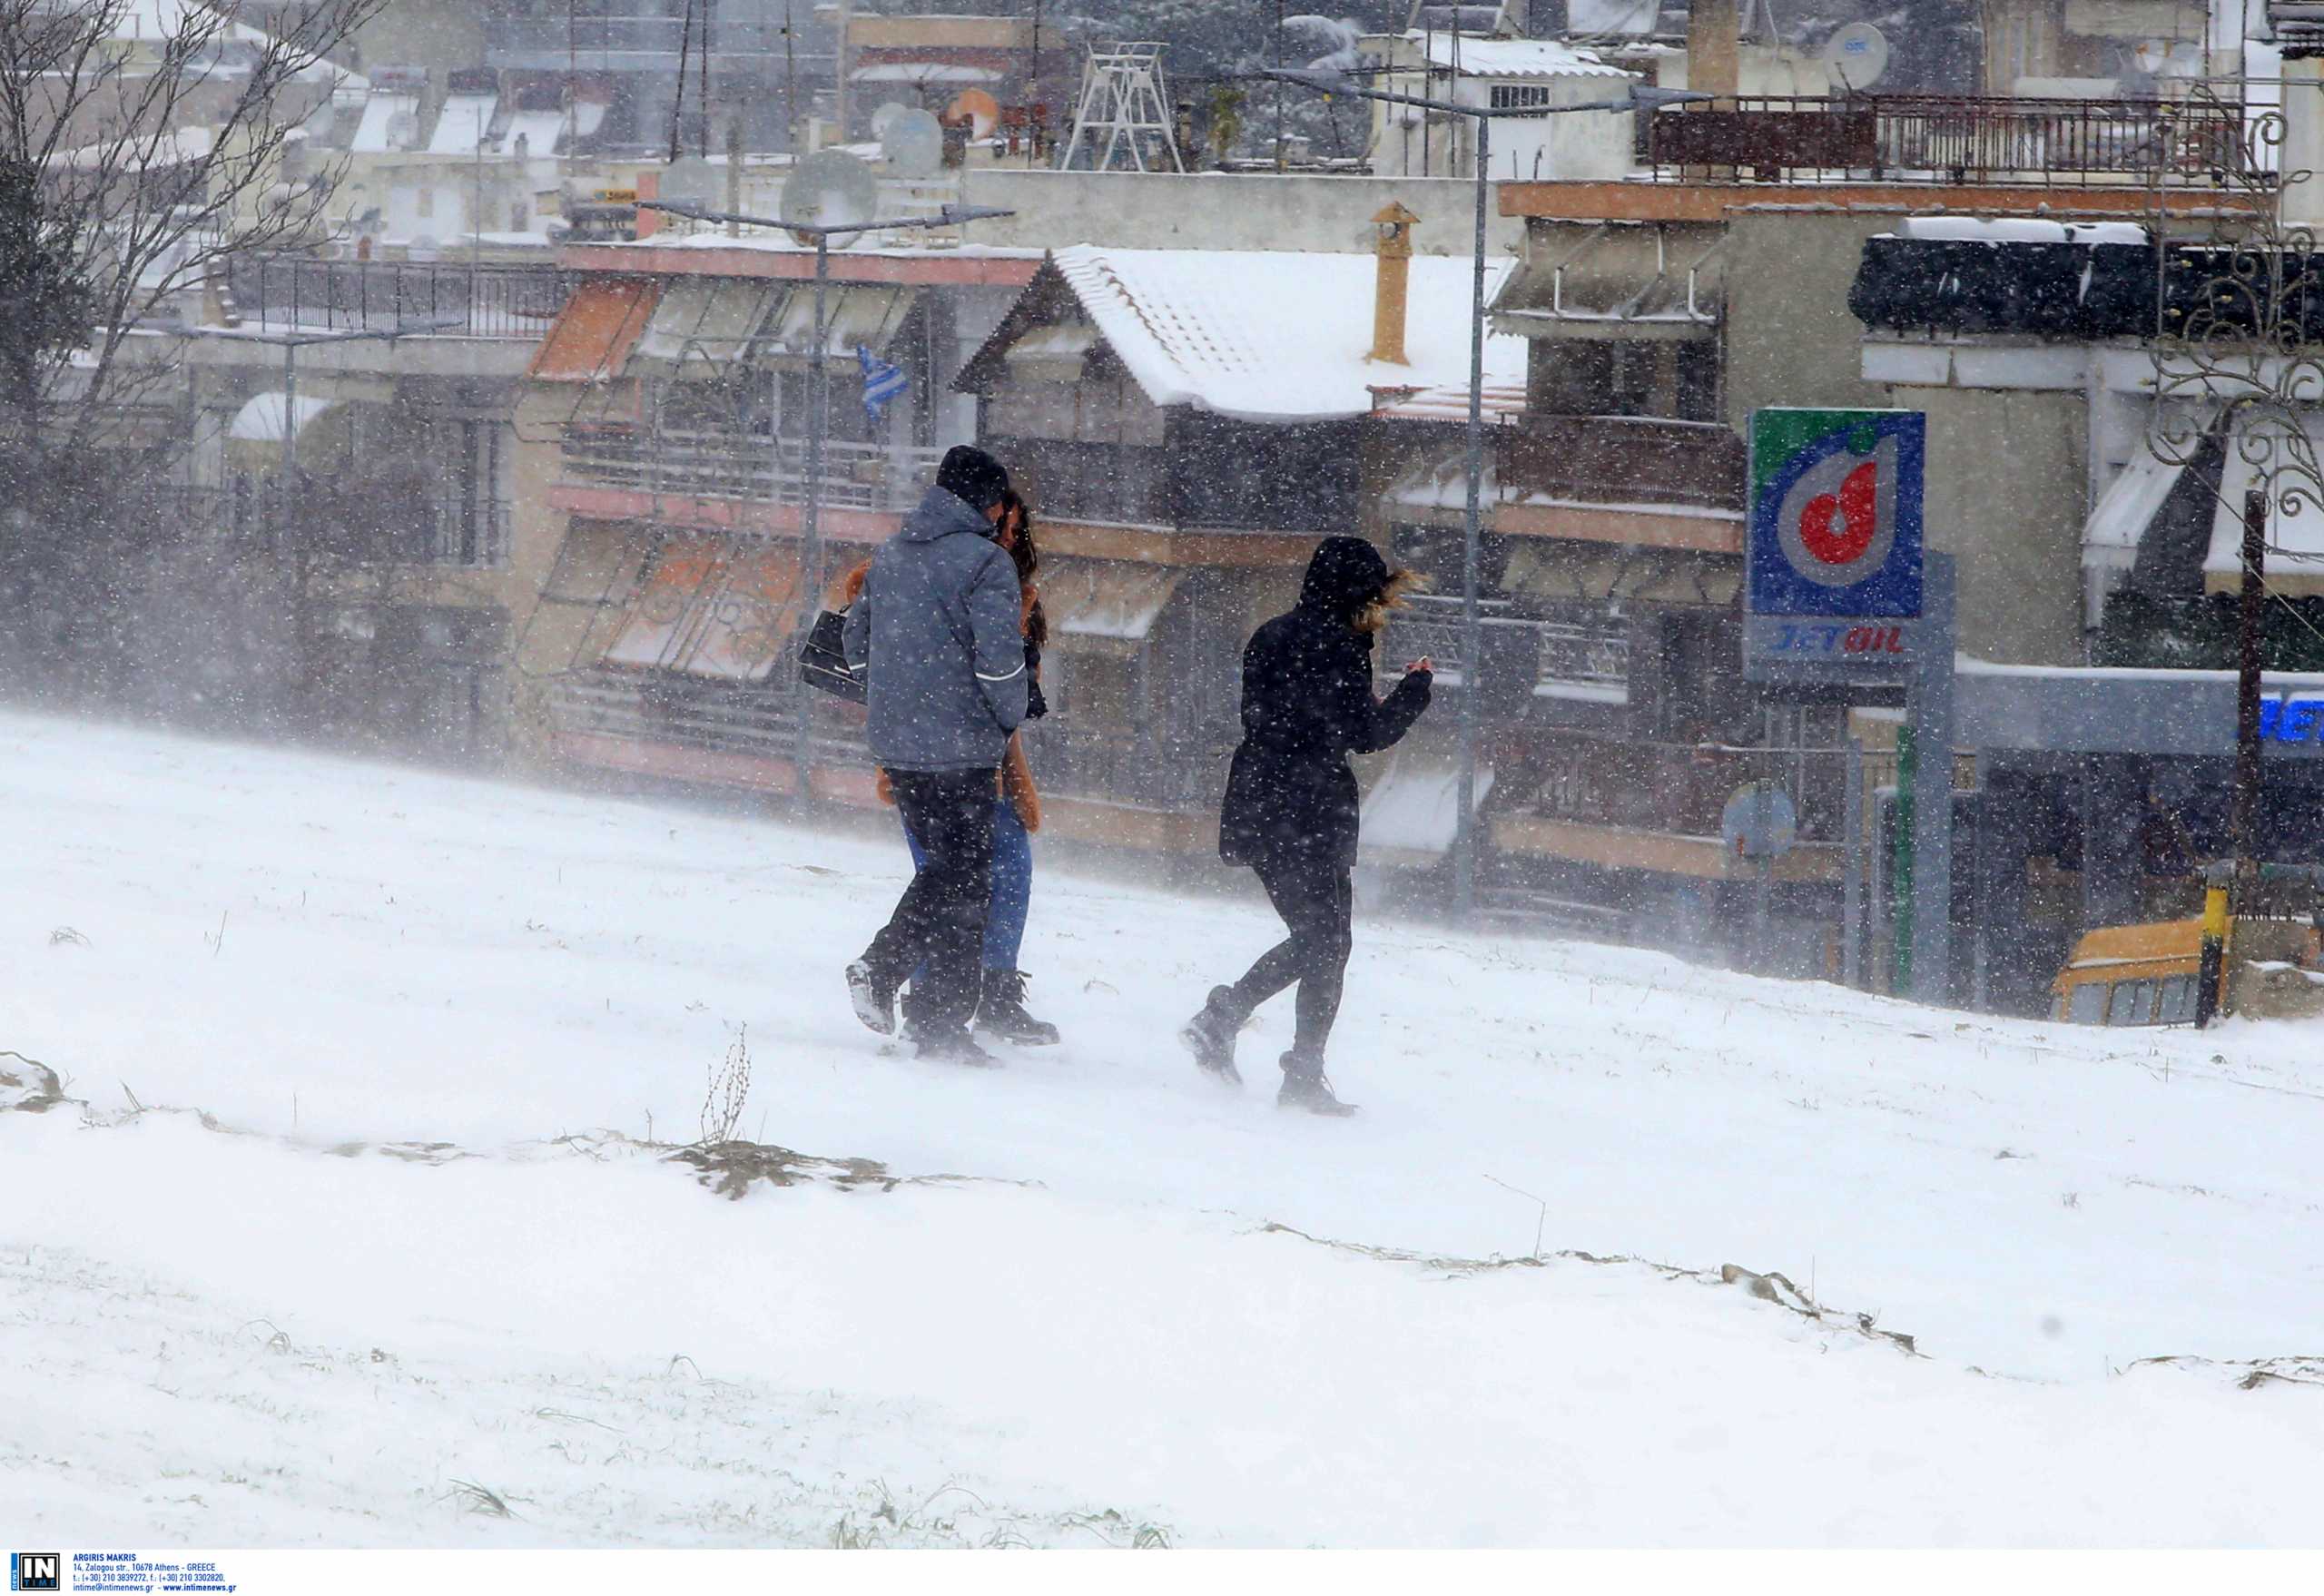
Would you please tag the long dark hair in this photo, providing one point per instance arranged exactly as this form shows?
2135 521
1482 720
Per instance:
1028 558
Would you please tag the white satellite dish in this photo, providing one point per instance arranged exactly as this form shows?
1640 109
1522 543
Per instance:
691 181
884 118
914 144
831 188
1858 56
403 131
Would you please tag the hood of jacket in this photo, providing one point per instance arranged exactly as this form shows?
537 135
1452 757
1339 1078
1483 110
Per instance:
940 514
1345 573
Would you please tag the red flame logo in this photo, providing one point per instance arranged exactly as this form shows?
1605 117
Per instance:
1837 527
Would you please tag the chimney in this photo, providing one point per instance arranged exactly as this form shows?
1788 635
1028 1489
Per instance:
1393 230
1714 46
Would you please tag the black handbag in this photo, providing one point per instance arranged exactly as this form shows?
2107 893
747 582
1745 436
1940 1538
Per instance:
823 663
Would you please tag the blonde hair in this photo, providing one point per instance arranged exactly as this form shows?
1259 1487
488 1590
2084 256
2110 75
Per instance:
1373 617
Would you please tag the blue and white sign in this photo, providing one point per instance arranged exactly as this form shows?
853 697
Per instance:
1833 588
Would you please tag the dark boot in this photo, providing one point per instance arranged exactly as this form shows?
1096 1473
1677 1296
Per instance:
1304 1087
954 1048
1209 1036
1002 1011
874 997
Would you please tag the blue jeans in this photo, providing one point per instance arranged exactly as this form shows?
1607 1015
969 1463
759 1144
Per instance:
1012 885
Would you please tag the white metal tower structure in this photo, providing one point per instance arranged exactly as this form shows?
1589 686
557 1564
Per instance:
1124 107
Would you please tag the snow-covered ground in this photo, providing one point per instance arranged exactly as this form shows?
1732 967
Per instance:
412 1260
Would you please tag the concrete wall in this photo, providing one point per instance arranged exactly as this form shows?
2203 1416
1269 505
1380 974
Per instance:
1791 339
2005 491
1222 211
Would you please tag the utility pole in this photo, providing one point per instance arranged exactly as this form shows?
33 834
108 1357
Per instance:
1279 93
2243 818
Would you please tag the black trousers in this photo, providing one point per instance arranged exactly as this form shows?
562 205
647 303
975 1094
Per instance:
938 927
1317 906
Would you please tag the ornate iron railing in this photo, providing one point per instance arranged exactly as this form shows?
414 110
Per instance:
1956 139
379 296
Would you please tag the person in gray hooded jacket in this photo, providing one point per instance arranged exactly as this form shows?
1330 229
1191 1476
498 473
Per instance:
936 632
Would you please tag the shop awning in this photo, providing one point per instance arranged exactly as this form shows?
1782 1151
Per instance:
2118 523
703 325
1631 280
714 607
657 630
1415 805
260 419
1105 606
859 314
592 337
748 620
2295 542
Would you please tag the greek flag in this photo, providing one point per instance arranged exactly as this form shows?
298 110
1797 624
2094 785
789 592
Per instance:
881 382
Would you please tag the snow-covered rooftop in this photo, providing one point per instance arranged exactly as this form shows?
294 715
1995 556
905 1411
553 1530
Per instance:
1278 335
1512 57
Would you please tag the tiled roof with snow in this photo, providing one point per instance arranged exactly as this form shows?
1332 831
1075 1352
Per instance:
1513 58
1275 335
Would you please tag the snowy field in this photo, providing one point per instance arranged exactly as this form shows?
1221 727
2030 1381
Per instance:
359 1235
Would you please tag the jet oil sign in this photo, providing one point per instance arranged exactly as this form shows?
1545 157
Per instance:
1835 557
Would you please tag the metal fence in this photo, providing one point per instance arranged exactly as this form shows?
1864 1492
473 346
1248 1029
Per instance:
379 296
1682 788
856 476
1549 656
1960 138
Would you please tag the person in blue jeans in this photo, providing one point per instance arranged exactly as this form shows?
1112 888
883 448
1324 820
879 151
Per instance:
1015 816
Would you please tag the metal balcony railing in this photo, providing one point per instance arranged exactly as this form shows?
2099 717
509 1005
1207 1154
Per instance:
1120 765
1957 139
562 37
856 476
1680 788
1622 460
379 296
1557 658
714 717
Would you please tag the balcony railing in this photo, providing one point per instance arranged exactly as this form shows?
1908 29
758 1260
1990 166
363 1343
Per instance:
1956 139
1550 658
1682 789
379 296
1623 460
1120 765
363 528
354 522
562 37
856 476
712 718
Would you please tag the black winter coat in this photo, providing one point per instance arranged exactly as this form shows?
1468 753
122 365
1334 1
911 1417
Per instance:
1307 705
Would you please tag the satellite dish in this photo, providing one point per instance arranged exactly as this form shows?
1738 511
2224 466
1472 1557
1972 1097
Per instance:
691 181
403 131
830 188
914 144
1858 54
979 110
884 118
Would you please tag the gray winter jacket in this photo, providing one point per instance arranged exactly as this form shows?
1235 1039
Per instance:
938 628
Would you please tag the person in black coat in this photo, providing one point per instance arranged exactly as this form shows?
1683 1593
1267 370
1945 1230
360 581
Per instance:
1292 811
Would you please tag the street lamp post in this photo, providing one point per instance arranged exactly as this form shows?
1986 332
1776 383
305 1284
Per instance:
818 395
1635 97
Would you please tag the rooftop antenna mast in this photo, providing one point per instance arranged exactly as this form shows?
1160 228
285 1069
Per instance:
1125 103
